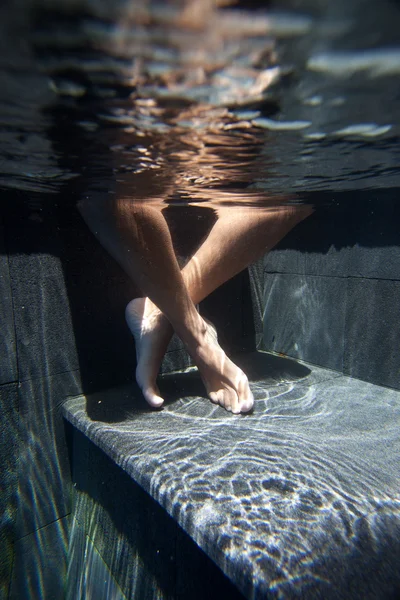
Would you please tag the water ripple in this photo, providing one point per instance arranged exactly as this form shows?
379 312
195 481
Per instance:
286 490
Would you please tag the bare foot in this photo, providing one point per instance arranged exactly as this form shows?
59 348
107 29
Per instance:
152 333
225 383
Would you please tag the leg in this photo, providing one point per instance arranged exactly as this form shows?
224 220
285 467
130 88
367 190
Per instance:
238 238
138 238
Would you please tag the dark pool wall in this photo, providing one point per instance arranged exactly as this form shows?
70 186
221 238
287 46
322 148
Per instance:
332 287
62 332
8 424
39 368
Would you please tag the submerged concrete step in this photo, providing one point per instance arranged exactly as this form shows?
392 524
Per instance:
299 499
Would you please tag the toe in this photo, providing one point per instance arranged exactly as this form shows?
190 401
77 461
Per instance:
229 400
232 399
219 397
213 397
247 404
152 397
246 398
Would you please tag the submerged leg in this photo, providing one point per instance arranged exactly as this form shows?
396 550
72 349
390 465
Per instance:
139 239
238 238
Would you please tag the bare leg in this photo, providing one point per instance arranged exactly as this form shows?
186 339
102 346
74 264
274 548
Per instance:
138 238
238 238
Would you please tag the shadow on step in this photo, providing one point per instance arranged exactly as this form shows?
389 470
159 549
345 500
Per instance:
116 405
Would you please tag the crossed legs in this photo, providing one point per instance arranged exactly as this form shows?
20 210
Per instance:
138 238
238 238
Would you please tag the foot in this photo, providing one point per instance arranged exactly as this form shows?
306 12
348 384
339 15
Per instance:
152 333
225 383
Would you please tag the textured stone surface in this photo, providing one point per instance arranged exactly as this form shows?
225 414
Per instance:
272 369
145 551
355 261
351 236
41 563
121 523
375 262
297 499
43 468
9 449
230 308
304 317
373 331
355 327
8 359
256 278
88 576
284 260
45 341
175 359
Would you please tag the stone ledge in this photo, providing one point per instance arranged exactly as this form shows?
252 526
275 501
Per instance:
298 499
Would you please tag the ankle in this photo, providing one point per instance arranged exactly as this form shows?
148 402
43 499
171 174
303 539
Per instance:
193 331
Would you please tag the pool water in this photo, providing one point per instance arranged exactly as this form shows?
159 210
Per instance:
200 111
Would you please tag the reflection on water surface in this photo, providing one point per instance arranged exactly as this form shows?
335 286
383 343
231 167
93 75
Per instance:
199 102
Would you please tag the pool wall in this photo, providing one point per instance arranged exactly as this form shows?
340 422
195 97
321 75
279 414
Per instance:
332 288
